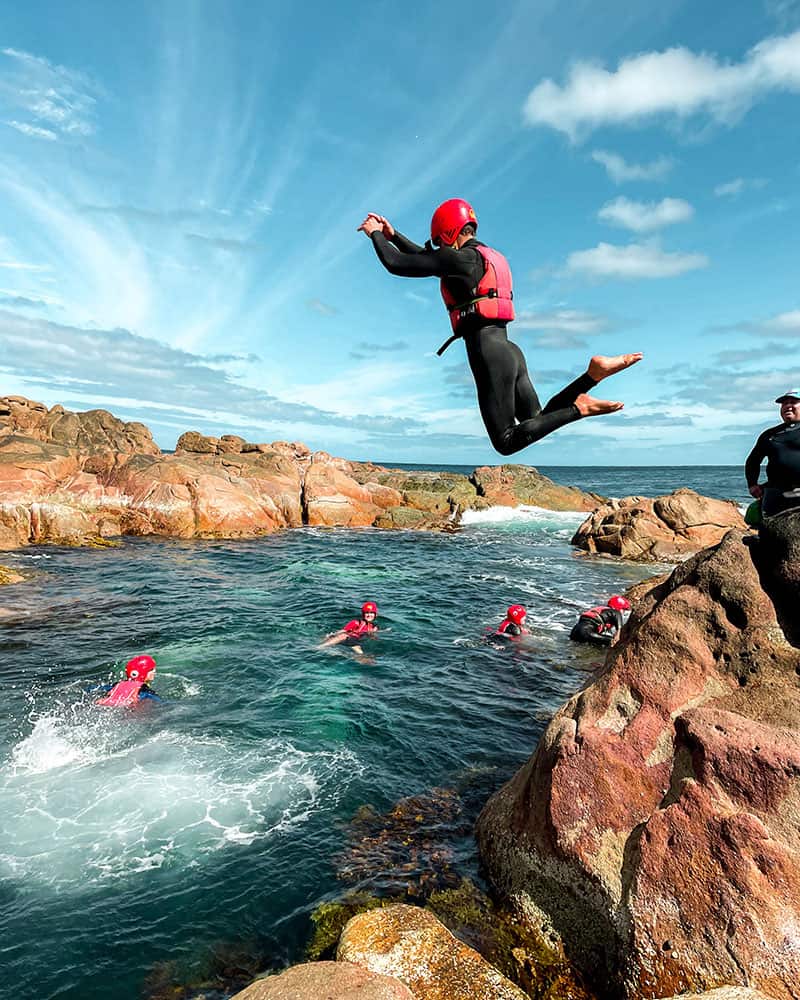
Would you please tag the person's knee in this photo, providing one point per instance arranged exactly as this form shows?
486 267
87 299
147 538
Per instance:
505 445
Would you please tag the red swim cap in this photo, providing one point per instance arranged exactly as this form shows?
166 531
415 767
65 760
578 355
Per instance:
449 219
516 613
619 603
139 667
369 607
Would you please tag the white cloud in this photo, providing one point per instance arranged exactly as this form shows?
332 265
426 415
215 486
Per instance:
562 320
33 130
61 101
620 171
674 82
644 217
636 260
732 189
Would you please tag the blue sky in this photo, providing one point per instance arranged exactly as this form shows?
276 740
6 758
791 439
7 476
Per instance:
180 185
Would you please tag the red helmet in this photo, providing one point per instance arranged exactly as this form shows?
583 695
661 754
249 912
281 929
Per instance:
139 667
619 603
370 607
449 219
516 613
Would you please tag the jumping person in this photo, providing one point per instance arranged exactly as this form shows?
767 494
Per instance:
136 687
780 446
477 291
353 631
601 625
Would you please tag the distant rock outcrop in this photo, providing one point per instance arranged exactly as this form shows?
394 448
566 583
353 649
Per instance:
656 829
73 478
664 529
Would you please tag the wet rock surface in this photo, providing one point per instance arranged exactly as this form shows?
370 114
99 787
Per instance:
656 830
666 528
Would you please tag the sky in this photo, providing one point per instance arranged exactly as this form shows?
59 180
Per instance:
181 184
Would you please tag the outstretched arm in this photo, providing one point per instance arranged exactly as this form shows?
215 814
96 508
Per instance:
401 256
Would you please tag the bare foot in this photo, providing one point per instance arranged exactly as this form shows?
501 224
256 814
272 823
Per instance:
601 367
588 406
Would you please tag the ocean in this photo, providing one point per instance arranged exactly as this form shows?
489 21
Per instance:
147 850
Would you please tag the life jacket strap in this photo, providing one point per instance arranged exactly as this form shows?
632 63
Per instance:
448 342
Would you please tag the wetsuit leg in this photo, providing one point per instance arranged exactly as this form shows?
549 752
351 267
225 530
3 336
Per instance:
506 394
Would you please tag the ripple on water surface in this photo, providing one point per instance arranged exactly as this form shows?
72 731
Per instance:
216 815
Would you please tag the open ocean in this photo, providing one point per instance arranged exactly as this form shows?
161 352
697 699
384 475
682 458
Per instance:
152 846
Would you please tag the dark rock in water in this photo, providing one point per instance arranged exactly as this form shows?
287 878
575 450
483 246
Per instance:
656 830
663 529
214 974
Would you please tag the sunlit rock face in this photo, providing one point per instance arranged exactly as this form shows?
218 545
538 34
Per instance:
77 478
666 528
657 826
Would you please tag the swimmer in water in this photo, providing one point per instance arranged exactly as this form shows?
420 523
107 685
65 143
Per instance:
135 688
600 626
513 625
354 630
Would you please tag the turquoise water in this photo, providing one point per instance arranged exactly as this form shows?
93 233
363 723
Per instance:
209 824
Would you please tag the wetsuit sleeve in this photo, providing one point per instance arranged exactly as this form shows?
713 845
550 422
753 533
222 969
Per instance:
424 263
146 692
404 244
752 466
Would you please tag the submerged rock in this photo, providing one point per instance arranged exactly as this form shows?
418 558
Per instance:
660 530
320 980
411 944
656 830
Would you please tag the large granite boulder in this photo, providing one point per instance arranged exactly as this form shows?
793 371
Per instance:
656 829
664 529
411 944
512 485
324 980
91 433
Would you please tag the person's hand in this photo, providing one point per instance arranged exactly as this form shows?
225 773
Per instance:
757 491
369 226
387 227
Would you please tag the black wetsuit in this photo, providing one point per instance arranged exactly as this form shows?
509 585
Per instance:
505 392
599 630
780 445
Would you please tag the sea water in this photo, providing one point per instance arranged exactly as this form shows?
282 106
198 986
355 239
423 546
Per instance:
157 838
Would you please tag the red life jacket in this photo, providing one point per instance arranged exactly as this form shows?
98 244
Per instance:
357 628
493 295
502 628
594 615
124 693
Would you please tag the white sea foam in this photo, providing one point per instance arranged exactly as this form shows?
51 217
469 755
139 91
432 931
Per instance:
498 515
99 799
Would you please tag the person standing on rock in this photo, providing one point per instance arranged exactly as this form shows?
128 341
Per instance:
600 626
477 290
780 445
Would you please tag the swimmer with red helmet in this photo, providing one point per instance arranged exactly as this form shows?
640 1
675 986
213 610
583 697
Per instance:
600 626
355 630
135 688
513 625
477 290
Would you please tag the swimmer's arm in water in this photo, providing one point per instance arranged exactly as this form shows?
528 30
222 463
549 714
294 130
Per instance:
147 693
333 640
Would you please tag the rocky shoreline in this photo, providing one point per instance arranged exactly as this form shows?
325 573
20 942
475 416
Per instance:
650 846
